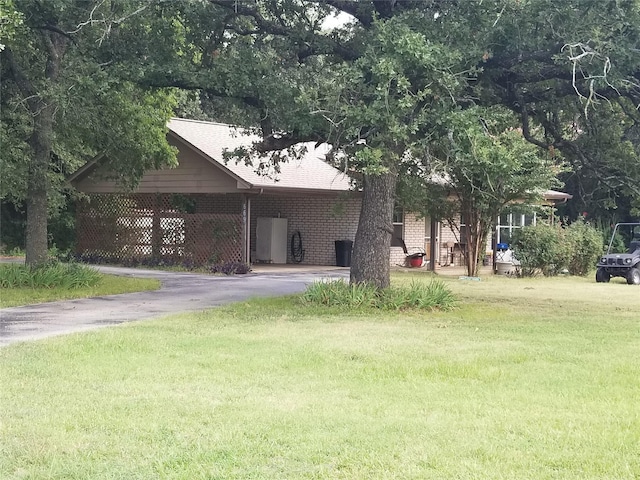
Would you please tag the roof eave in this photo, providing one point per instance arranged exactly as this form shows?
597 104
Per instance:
274 189
85 170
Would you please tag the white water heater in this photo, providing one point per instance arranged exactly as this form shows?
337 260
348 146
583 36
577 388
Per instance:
271 240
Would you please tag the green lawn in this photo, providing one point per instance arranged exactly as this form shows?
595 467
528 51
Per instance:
526 379
108 285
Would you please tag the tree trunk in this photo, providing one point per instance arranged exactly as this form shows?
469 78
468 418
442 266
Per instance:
476 240
37 188
472 256
372 246
43 109
472 233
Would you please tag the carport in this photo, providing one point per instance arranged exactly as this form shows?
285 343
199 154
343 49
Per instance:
206 210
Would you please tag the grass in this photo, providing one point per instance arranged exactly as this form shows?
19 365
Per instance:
525 379
52 274
416 295
107 285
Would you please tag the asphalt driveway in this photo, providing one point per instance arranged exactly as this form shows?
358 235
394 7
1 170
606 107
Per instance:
180 292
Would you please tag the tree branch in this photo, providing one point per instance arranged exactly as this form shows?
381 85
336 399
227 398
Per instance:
274 142
524 117
263 24
55 29
361 11
155 81
612 179
23 83
108 23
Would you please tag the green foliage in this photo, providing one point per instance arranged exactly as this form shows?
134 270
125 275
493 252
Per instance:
612 141
338 293
11 251
479 164
10 21
64 103
393 94
551 249
433 295
540 248
418 295
50 275
13 223
585 243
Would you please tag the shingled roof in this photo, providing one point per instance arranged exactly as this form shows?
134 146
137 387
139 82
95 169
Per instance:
310 172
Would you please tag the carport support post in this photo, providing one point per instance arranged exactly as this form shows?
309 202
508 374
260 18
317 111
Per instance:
246 229
156 229
433 245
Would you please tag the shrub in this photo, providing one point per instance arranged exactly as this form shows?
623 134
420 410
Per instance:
540 248
50 275
416 296
551 249
230 268
585 247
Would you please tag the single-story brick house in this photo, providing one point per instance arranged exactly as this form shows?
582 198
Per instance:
206 210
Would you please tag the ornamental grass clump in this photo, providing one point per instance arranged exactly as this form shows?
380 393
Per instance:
339 293
49 275
418 295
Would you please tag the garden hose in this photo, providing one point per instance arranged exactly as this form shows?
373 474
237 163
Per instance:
297 253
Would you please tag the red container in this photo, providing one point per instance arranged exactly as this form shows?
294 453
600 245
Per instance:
415 261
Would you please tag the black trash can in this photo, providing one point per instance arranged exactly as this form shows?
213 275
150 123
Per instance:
343 253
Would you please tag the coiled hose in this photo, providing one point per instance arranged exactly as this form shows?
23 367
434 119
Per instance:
297 252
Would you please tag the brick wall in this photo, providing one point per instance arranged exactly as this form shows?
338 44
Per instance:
321 221
413 234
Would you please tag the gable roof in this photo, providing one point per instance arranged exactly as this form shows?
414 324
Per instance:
310 172
210 140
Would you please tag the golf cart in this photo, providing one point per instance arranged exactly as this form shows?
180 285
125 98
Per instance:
619 263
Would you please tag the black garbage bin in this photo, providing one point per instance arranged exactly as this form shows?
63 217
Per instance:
343 253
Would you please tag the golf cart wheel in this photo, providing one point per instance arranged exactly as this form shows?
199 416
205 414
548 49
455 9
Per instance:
602 276
633 276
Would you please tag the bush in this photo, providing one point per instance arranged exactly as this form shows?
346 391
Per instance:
586 247
230 268
540 248
417 296
50 275
552 249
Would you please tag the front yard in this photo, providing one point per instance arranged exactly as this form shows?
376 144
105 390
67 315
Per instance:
534 378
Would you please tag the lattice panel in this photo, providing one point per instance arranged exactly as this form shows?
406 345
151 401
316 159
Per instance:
152 228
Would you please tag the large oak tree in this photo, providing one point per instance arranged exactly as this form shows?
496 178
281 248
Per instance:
62 104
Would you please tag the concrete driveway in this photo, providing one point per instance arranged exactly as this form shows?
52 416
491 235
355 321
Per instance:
180 292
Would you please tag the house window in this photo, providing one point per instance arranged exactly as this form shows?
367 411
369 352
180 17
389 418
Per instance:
510 221
463 230
398 227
